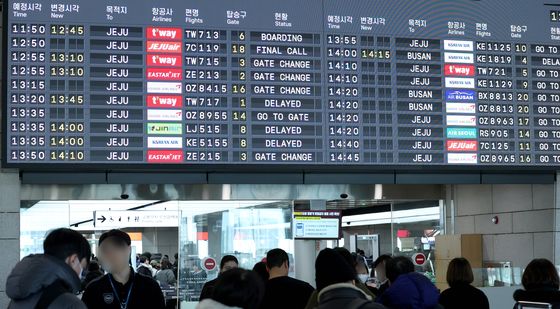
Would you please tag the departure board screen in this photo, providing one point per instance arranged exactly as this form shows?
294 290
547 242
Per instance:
322 83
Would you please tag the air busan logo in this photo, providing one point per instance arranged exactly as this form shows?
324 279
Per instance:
164 60
164 74
165 156
165 101
460 95
164 33
163 47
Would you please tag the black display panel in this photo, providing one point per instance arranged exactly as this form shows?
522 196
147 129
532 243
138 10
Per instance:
365 83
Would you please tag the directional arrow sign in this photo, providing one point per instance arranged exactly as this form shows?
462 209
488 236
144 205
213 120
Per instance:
136 218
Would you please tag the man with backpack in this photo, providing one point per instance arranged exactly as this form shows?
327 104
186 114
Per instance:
51 280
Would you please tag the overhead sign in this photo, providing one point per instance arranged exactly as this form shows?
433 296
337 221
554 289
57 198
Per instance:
136 218
266 85
317 224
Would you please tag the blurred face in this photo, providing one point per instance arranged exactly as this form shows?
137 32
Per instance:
113 256
229 265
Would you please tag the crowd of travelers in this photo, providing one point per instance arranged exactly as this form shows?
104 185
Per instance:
67 276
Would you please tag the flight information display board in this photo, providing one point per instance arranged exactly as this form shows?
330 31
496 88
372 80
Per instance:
326 83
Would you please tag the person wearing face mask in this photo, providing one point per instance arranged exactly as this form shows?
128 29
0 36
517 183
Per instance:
361 267
121 287
351 261
51 280
337 285
228 262
378 272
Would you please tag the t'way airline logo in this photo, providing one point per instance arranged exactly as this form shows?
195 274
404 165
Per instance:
164 60
457 145
164 74
164 47
164 101
459 69
164 33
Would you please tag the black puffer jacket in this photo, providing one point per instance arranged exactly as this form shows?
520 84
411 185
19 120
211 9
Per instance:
345 295
33 274
546 294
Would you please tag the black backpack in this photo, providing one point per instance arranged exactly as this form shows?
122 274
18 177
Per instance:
51 293
358 303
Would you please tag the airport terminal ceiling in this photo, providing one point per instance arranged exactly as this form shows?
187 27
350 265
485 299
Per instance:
265 85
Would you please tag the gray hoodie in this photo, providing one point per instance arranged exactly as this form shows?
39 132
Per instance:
33 274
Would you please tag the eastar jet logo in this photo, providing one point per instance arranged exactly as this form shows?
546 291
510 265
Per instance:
459 70
164 74
164 47
458 145
165 156
164 101
164 60
164 33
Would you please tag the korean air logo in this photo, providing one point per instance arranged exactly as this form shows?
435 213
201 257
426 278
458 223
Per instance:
460 95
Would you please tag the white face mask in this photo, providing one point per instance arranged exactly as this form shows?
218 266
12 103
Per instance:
363 277
81 272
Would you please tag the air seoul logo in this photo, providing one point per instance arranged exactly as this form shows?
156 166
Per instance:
462 95
462 133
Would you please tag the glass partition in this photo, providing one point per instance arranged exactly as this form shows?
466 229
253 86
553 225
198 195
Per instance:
210 230
415 225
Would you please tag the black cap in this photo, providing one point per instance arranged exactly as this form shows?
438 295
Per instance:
331 268
117 236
